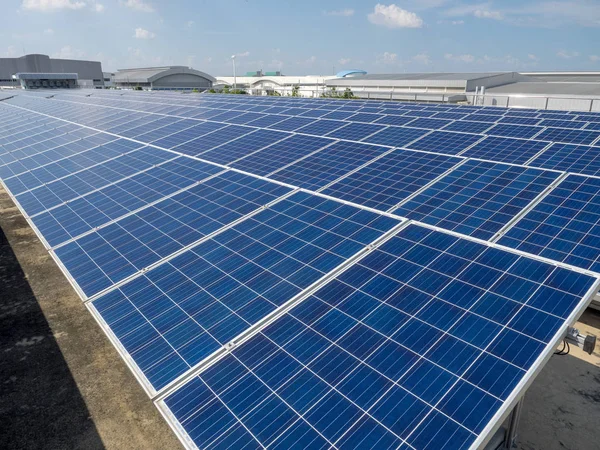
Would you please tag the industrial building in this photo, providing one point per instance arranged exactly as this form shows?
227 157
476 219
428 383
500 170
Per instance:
40 71
163 78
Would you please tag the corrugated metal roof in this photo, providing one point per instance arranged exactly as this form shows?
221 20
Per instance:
549 89
443 76
150 74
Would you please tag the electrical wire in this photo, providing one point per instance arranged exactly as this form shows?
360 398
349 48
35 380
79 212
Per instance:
562 351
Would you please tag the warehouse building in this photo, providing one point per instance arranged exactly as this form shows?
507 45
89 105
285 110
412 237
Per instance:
40 71
163 78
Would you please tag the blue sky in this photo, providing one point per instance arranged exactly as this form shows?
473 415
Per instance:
304 37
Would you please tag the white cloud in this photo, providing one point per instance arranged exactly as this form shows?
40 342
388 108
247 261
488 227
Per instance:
392 16
311 60
344 61
140 33
139 5
189 24
10 52
566 54
98 7
465 58
488 14
49 31
339 12
533 57
190 60
243 54
51 5
68 52
422 58
594 58
387 58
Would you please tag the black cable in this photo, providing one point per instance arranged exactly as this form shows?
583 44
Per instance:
562 351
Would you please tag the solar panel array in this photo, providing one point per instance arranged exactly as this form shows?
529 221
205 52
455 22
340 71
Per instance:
298 273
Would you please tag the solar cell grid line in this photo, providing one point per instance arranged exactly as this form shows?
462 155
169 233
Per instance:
314 113
420 113
478 117
567 136
281 154
180 137
244 146
126 197
445 142
563 226
165 131
592 126
429 124
465 126
588 117
396 136
397 120
71 186
24 140
518 120
514 131
126 248
556 115
477 198
157 124
383 183
322 168
451 114
573 124
321 127
581 159
511 150
355 131
245 118
213 139
338 115
365 117
332 353
231 282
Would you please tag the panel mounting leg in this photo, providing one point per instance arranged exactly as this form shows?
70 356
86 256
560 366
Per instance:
513 424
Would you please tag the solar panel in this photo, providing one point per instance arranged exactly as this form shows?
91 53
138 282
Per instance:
321 127
394 120
564 226
515 131
84 213
396 136
574 124
477 198
281 154
209 141
243 146
396 352
567 136
445 142
177 314
109 255
431 124
364 117
466 126
386 181
356 131
517 151
291 124
581 159
521 120
322 168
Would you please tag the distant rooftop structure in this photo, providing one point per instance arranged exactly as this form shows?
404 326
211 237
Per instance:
350 73
164 78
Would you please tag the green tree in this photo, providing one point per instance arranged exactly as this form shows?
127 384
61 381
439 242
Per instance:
296 91
348 93
226 89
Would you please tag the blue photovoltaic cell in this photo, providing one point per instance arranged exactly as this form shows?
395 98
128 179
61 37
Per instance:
516 151
245 118
187 135
570 158
356 131
95 177
556 115
450 115
326 166
567 136
394 120
574 124
111 254
466 126
405 347
564 226
209 141
478 198
314 113
321 127
520 120
431 124
291 124
82 214
445 142
226 115
593 125
385 182
243 146
281 154
420 113
514 131
177 314
396 136
477 117
338 115
364 117
267 120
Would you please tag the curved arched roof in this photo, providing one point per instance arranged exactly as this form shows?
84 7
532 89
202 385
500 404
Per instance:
151 74
345 73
